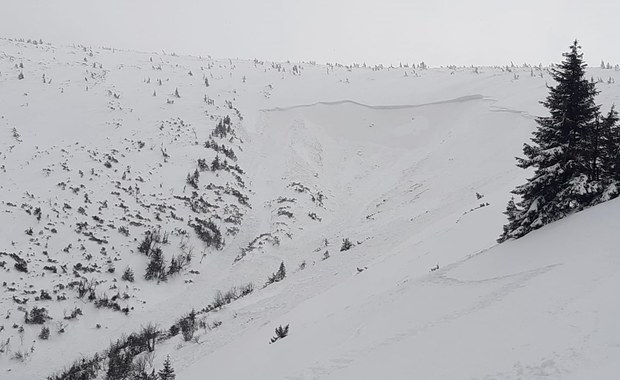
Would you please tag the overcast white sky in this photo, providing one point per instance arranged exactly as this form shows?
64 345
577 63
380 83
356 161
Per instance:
439 32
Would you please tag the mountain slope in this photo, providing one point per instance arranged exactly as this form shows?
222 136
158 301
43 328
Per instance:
534 308
413 166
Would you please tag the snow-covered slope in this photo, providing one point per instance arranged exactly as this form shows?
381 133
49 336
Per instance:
540 307
413 166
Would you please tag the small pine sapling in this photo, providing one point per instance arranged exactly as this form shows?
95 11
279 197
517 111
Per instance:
346 245
167 373
281 333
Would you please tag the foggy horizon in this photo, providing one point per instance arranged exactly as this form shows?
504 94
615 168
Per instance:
443 33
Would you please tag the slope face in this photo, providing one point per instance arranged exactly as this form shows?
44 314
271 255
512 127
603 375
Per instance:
314 155
534 308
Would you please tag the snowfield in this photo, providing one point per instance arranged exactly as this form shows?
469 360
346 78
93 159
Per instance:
413 166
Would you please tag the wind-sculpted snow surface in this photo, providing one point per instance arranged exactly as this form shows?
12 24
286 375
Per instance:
357 206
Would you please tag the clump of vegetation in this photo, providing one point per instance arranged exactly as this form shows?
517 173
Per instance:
45 333
222 128
192 179
122 353
149 335
246 289
174 330
224 298
20 264
179 262
151 239
221 148
346 245
281 333
285 212
202 165
123 231
146 244
278 276
120 361
85 287
44 295
111 303
37 315
128 275
208 232
166 373
74 313
81 369
188 326
156 268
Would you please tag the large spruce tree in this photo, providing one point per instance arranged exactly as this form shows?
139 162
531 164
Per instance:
564 152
